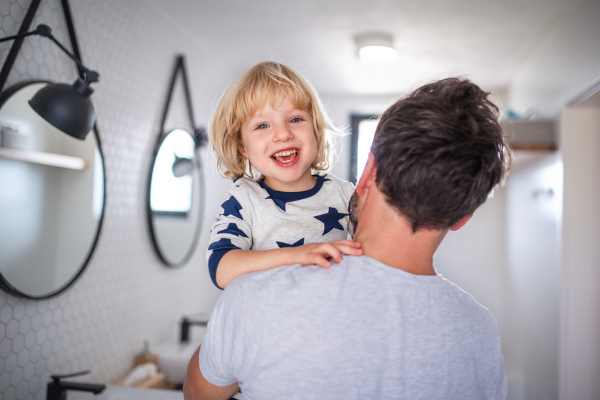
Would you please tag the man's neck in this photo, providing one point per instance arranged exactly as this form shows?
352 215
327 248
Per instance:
388 237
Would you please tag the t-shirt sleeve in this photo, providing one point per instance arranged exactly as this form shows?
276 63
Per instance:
230 347
232 230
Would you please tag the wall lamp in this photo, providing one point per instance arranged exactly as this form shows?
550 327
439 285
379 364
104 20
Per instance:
375 47
67 107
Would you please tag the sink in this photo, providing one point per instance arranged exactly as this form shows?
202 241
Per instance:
174 357
124 393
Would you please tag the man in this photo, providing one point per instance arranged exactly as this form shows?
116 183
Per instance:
383 325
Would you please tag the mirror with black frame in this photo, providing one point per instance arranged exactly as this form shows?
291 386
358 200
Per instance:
51 201
175 197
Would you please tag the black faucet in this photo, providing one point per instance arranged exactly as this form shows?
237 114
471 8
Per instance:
185 328
57 389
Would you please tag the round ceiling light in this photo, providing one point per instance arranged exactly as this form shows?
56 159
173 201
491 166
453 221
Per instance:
375 48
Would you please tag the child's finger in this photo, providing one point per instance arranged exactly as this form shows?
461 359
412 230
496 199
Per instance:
322 262
332 251
350 243
349 250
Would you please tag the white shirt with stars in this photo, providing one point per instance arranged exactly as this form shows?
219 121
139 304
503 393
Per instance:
256 217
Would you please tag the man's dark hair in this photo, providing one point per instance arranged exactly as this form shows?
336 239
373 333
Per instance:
440 152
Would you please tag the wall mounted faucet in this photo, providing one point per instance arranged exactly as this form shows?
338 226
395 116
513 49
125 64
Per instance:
57 389
185 325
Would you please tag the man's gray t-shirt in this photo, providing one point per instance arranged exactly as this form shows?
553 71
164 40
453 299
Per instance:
358 330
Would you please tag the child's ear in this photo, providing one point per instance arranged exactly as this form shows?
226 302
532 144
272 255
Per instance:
242 150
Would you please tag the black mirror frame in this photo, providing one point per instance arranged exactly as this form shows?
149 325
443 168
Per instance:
5 94
199 136
4 284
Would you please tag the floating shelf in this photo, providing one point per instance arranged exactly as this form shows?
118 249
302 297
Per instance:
38 157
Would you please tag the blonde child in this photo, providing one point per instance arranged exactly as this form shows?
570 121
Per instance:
271 120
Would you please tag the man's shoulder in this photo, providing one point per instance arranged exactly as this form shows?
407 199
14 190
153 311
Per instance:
469 308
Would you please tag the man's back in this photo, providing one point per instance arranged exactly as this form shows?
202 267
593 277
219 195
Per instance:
360 329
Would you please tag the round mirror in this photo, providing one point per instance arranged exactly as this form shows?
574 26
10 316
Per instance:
175 197
51 201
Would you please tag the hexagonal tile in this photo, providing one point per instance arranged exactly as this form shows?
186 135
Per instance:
29 372
18 343
24 325
4 382
36 322
30 340
12 329
6 314
4 8
32 69
40 367
16 377
41 336
31 309
5 346
11 362
9 25
24 358
47 319
34 385
19 311
11 393
46 349
23 390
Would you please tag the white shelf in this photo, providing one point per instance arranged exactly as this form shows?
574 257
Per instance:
38 157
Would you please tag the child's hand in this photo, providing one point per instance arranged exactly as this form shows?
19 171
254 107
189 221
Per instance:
321 253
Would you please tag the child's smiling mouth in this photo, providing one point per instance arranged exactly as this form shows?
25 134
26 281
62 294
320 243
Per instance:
285 157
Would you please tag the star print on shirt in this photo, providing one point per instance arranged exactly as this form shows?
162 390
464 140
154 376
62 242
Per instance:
298 243
222 244
331 220
234 230
232 207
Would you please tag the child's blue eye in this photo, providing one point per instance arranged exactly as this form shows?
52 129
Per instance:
297 119
262 126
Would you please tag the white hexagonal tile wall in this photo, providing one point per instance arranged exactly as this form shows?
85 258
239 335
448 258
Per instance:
100 322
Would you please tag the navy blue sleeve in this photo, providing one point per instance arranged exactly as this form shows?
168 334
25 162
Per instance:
219 249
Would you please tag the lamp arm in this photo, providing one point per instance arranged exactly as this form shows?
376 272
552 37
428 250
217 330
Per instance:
46 31
21 35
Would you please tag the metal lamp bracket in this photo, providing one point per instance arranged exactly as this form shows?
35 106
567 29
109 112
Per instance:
16 46
198 133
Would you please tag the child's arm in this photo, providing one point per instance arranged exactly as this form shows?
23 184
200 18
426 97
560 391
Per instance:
237 262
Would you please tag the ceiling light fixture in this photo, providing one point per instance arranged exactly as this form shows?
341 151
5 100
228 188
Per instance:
375 47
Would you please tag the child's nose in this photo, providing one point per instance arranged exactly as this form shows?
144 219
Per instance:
282 134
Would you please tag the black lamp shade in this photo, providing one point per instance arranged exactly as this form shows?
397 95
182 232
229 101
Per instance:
67 107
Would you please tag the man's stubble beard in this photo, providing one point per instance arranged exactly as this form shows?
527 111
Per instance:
353 213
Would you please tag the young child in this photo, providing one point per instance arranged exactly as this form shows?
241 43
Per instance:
271 120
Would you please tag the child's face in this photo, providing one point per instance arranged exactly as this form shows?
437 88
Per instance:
280 143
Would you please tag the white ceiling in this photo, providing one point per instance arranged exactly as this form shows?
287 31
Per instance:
485 40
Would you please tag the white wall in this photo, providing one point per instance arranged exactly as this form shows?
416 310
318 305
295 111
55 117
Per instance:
567 62
565 65
531 315
580 342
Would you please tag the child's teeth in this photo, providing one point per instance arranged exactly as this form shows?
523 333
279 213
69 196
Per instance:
285 153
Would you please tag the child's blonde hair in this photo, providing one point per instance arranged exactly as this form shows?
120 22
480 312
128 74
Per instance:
267 81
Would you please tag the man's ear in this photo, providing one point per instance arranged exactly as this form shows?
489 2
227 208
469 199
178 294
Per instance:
242 149
368 175
461 223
